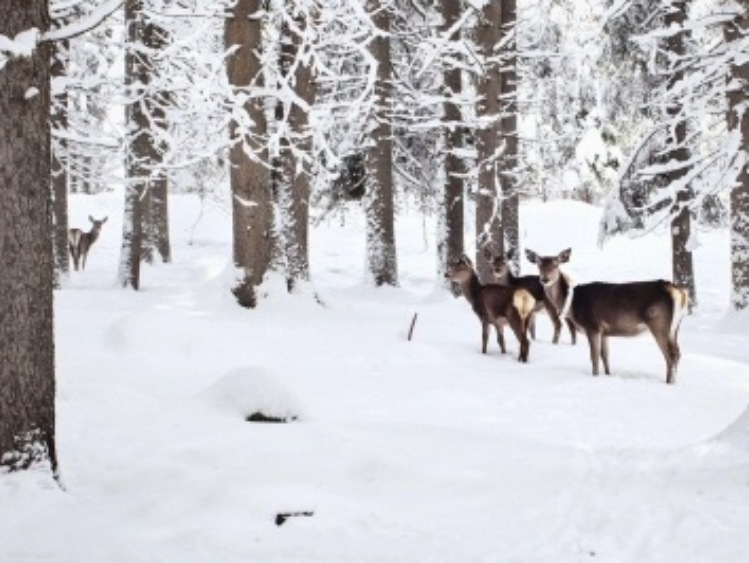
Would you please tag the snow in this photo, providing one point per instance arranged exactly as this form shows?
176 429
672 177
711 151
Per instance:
22 45
402 451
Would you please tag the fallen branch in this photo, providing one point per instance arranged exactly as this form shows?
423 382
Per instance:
413 324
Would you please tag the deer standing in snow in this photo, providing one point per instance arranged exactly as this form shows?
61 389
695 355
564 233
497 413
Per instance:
495 305
80 242
616 309
500 266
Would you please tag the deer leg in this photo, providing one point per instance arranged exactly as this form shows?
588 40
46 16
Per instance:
518 325
71 249
594 340
573 330
501 336
484 336
605 353
554 316
532 325
675 356
669 349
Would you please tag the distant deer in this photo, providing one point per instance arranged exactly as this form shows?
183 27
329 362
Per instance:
495 305
616 309
80 242
500 266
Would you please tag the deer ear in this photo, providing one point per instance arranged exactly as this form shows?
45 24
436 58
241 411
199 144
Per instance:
105 219
90 218
564 256
531 256
464 258
511 254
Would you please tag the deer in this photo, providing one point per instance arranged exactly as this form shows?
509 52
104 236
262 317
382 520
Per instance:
603 309
495 305
80 242
500 266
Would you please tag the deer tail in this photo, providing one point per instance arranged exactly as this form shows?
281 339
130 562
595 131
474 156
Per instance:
680 298
524 303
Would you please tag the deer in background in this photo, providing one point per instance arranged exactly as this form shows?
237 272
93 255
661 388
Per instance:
495 305
616 309
80 242
500 266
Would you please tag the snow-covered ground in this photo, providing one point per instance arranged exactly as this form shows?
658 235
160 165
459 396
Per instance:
403 451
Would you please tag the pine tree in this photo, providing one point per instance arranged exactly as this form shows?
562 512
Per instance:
379 198
27 355
488 138
451 246
252 202
736 32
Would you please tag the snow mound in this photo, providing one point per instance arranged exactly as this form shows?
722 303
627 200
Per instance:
737 433
255 395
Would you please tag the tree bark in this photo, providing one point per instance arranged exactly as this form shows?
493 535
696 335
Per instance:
682 264
451 245
59 169
27 354
510 209
160 217
738 124
143 154
294 172
154 39
488 140
252 202
379 197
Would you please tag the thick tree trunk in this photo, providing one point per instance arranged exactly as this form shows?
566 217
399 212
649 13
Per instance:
379 197
59 121
488 140
27 354
294 173
160 217
144 151
682 265
137 147
252 204
510 211
155 39
451 244
738 123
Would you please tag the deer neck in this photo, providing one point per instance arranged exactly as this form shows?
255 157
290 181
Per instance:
560 294
507 278
471 288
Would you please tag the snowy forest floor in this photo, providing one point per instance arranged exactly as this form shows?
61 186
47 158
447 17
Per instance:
403 451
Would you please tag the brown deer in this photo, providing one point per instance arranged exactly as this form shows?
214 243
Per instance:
80 242
495 305
616 309
500 266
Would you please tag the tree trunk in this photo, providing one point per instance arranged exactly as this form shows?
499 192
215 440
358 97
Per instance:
27 354
154 38
144 151
294 173
252 204
379 197
682 265
136 150
59 121
488 140
451 245
738 124
160 217
510 222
